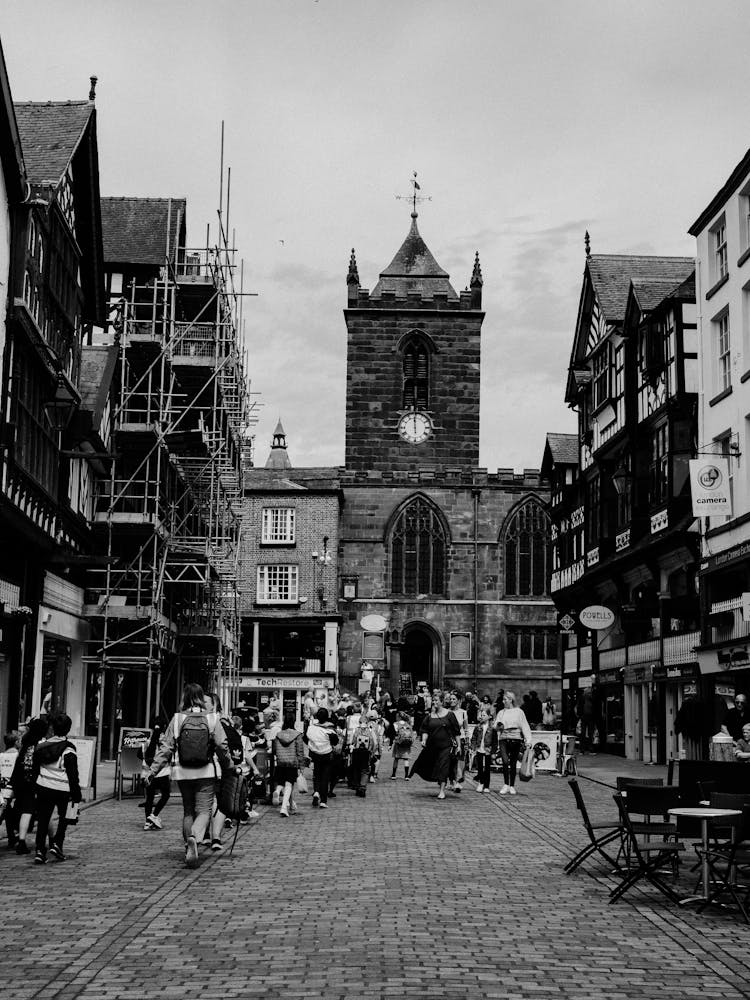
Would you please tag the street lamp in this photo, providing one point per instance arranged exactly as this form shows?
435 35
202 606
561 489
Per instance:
60 408
621 478
320 561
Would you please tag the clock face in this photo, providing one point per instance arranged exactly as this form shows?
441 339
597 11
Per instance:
415 427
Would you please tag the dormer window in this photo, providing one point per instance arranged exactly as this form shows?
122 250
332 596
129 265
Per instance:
416 377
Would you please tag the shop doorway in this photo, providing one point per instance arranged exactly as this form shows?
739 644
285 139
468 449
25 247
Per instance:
419 656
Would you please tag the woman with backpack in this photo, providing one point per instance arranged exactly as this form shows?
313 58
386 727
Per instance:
321 738
403 740
192 738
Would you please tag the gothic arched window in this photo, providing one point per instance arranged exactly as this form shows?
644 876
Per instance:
527 551
418 549
416 376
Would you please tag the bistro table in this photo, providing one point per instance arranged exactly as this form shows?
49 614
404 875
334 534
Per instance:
705 814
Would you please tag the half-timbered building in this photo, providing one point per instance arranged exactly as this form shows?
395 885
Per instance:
50 418
625 520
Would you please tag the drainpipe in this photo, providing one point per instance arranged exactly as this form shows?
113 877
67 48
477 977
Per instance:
476 493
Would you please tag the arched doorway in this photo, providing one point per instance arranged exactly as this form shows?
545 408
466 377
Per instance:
420 655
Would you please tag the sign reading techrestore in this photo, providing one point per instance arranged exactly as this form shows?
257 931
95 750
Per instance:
709 485
262 682
596 616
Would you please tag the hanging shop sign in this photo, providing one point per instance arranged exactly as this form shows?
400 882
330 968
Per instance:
596 617
709 486
567 622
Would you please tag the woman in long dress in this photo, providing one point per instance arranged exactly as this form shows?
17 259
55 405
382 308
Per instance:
439 735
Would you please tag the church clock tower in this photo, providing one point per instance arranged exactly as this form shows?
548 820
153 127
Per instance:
413 354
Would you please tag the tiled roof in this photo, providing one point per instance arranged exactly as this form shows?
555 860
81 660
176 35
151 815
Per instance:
650 294
269 479
134 230
563 448
50 134
611 275
414 269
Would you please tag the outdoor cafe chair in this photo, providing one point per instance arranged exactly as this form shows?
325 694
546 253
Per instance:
726 861
648 856
599 834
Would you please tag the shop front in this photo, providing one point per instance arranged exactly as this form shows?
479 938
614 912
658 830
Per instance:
257 690
59 672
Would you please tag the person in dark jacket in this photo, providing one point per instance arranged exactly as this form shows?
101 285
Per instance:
160 784
57 784
289 755
22 779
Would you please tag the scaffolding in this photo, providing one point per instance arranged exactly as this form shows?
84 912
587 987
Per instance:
165 606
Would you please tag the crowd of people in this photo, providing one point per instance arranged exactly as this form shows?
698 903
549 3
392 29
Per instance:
435 735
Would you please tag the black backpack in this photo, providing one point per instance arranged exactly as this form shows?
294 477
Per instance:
234 743
233 795
195 745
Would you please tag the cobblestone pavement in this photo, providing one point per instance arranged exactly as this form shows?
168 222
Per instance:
398 895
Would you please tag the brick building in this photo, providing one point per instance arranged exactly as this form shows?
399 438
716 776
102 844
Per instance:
288 582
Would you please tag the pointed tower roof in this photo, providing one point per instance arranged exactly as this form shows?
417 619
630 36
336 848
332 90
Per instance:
414 269
278 457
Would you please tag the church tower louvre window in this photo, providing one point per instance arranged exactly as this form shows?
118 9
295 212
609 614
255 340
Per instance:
417 550
416 376
527 551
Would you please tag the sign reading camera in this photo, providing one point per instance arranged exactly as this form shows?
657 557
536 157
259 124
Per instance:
596 617
709 485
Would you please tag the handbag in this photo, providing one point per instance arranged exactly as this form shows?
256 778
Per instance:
528 765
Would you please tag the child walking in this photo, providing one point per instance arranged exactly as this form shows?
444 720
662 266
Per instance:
483 746
403 741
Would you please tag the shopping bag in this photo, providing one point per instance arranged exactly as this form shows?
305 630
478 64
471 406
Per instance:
528 767
301 783
71 814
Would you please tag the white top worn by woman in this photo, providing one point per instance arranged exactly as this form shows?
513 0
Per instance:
511 724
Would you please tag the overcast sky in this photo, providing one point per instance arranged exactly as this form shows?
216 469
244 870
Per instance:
527 122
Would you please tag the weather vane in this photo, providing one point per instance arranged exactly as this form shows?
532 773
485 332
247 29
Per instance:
414 197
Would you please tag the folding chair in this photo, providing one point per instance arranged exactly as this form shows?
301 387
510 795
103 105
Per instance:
647 856
724 862
600 834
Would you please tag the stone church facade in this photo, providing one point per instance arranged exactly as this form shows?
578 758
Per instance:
442 567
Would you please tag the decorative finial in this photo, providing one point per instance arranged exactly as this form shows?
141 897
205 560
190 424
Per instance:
476 277
92 92
414 197
587 243
352 277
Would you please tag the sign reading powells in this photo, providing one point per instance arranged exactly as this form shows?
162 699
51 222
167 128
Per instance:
709 485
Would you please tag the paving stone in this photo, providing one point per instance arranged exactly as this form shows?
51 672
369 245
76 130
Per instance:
397 895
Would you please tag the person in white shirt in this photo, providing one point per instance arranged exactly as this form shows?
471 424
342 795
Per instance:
513 733
458 760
